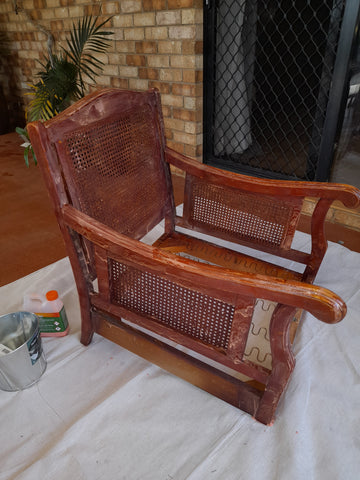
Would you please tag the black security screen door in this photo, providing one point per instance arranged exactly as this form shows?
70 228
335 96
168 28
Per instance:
276 75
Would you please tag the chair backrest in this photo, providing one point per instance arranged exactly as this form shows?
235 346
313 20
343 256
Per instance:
108 149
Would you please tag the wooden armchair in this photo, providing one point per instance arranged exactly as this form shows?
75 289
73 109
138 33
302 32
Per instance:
184 303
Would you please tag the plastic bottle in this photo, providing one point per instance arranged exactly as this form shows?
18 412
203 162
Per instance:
51 312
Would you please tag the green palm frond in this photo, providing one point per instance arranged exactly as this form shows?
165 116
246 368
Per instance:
40 107
55 91
61 80
87 39
27 145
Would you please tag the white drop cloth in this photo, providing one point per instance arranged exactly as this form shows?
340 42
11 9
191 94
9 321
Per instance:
100 412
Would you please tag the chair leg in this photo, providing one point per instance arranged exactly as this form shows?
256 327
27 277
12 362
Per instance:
271 397
86 338
283 363
83 284
87 324
87 330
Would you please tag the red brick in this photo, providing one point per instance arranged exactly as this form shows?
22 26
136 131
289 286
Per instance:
27 72
187 115
166 111
119 82
108 24
178 147
192 151
149 73
94 9
192 47
146 47
39 4
36 14
151 5
168 134
111 8
125 46
189 76
161 86
57 25
199 47
183 89
29 62
180 4
136 60
192 76
188 47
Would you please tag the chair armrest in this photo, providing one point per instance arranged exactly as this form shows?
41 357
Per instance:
320 302
258 213
347 194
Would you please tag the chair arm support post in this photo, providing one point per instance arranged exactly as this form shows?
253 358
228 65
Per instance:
318 239
283 363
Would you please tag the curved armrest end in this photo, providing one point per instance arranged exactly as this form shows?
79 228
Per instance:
322 303
335 311
349 195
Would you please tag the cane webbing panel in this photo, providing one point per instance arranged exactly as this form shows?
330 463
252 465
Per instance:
260 219
116 172
185 310
257 348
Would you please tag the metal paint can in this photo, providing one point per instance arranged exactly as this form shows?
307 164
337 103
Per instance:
22 360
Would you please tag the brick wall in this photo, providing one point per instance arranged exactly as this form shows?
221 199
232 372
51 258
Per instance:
156 43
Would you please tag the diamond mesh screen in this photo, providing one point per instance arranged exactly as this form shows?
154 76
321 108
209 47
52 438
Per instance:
272 69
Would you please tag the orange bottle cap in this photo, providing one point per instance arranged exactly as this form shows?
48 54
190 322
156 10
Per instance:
52 295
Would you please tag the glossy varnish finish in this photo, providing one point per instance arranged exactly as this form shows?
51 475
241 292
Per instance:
106 166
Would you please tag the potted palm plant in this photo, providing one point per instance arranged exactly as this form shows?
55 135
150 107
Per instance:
64 76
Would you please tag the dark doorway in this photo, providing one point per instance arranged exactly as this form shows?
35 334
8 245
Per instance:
276 84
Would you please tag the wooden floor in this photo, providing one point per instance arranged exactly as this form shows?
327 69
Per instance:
30 238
